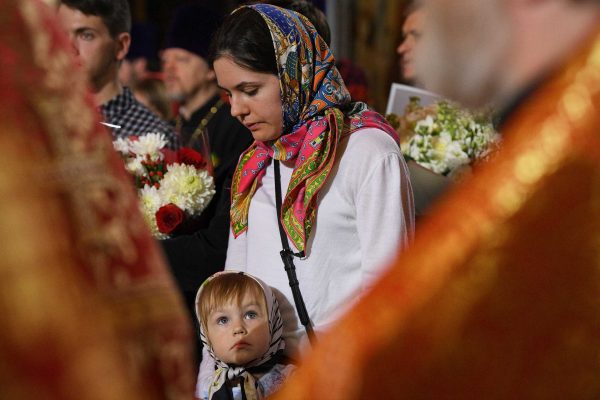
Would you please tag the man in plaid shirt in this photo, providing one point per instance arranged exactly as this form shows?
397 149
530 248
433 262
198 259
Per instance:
100 38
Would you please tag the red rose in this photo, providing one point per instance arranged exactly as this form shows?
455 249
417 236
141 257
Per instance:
169 217
169 156
191 157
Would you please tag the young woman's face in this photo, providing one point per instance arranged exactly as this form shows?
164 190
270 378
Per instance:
240 333
255 98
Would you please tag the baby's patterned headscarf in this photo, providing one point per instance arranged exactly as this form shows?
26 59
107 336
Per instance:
317 113
224 372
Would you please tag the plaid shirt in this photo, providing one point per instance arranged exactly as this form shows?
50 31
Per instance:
135 119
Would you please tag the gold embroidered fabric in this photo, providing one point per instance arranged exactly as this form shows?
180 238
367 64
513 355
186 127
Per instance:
88 309
201 128
499 296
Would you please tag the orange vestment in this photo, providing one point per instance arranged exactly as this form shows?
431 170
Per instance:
87 307
499 297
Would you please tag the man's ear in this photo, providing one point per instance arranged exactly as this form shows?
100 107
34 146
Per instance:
123 42
211 75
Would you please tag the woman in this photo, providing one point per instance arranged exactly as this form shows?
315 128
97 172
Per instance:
347 202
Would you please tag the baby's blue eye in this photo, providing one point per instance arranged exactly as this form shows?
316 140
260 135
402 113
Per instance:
221 321
251 315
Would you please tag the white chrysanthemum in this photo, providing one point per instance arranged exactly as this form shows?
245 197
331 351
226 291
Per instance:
134 166
455 156
425 125
436 166
449 139
150 202
467 142
122 146
149 144
414 152
150 198
188 188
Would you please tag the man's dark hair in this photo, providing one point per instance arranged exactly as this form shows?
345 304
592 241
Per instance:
115 14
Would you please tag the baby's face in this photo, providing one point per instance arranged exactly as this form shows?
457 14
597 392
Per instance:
239 334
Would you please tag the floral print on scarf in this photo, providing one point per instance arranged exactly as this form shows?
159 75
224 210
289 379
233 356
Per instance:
317 113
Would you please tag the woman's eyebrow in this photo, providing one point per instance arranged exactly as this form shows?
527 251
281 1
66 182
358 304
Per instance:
245 84
241 86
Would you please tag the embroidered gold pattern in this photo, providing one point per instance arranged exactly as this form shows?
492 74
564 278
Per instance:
80 177
201 128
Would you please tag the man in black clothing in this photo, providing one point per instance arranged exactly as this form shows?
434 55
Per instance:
203 114
191 82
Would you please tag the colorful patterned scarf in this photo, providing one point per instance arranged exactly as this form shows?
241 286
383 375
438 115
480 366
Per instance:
313 97
274 354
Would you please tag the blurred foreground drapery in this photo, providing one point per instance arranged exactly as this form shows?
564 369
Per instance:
499 296
87 308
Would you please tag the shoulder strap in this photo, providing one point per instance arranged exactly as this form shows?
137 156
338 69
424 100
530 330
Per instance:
287 255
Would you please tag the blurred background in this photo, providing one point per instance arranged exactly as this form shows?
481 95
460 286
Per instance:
364 33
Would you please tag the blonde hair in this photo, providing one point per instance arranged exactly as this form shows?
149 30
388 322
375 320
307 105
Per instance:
225 289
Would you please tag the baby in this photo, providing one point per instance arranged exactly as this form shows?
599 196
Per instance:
241 327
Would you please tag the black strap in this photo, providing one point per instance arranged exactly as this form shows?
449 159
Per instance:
287 255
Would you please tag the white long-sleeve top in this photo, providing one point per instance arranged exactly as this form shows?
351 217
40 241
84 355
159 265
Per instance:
365 217
362 222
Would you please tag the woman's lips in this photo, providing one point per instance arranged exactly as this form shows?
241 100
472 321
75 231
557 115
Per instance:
253 126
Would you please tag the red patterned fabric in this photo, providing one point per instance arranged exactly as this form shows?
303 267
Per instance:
87 307
498 297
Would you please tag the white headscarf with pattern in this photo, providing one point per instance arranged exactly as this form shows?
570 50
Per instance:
225 372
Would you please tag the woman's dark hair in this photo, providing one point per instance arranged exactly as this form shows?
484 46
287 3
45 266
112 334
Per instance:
245 37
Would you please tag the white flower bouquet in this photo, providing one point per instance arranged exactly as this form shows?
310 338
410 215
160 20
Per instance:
174 187
443 137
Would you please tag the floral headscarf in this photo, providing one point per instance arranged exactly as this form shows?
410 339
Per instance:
224 372
313 97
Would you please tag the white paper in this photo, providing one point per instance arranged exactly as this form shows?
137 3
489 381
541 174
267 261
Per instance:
400 96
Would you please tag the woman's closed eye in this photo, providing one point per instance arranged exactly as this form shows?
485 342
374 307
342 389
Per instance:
249 88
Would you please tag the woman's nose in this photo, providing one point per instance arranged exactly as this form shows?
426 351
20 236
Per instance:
238 108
